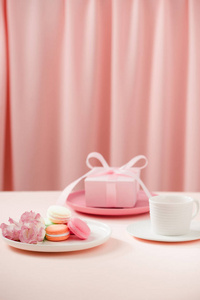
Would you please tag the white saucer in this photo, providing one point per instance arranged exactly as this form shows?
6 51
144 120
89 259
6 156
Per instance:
100 233
142 230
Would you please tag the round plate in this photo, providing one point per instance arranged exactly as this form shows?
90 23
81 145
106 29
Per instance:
76 200
142 230
100 233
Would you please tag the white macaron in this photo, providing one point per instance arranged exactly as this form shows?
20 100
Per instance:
58 214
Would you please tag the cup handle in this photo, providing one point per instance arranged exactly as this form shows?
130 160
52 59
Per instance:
197 208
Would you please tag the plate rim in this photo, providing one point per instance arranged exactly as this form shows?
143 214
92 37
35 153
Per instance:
162 238
62 247
106 211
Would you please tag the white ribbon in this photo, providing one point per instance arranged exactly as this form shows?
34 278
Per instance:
125 169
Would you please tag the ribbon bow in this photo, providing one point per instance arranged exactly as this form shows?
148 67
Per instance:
123 170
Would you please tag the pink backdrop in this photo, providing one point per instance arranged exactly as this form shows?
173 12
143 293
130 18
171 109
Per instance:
119 77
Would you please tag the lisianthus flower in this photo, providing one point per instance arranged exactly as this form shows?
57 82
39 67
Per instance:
28 234
10 231
11 221
30 228
41 233
30 216
31 233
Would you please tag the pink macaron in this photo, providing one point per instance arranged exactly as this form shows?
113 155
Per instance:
79 228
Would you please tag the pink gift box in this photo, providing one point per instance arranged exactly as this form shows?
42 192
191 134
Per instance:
107 186
112 189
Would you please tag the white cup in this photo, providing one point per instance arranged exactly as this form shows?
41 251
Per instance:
172 214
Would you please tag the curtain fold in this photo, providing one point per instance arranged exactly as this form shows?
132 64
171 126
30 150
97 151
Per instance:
120 77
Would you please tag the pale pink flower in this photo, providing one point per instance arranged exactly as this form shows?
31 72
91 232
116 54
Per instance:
28 234
30 228
31 216
40 226
41 234
10 231
31 233
11 221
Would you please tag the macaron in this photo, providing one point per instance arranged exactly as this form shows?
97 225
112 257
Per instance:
57 232
58 214
47 222
79 228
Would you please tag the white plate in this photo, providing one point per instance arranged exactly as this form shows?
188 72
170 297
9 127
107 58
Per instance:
142 230
100 233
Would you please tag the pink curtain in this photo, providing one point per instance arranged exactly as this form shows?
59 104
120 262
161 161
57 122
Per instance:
121 77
